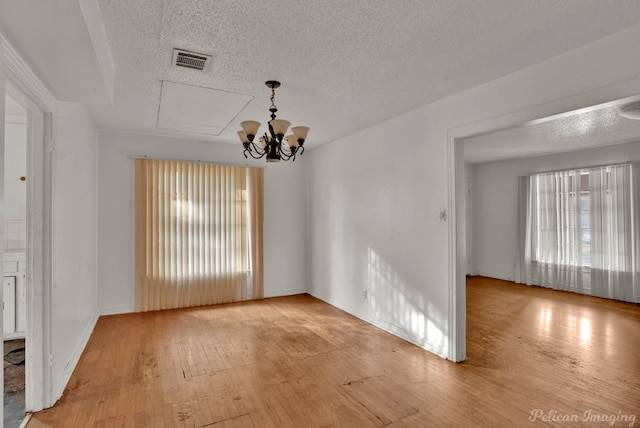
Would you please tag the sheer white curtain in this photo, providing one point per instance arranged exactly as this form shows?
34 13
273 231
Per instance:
198 234
579 231
553 241
612 232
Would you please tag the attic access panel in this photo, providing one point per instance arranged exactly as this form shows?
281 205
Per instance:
196 109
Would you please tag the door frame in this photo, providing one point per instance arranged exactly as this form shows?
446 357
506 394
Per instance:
22 83
615 94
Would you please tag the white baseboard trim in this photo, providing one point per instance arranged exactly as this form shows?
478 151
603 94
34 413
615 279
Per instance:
10 336
26 420
284 292
421 342
63 379
502 276
115 310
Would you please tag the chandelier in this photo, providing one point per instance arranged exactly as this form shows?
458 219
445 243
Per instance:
271 142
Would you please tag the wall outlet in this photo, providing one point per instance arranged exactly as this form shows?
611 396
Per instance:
364 294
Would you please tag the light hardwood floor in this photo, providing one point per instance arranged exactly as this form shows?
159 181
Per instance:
298 362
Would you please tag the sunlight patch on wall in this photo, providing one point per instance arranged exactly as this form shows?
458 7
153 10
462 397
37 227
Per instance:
393 302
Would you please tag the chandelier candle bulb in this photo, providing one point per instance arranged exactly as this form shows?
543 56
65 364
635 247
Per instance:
271 141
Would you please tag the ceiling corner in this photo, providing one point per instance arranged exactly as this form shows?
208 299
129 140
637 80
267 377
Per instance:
65 43
98 35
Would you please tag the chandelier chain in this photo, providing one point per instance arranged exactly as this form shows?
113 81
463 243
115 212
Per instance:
273 109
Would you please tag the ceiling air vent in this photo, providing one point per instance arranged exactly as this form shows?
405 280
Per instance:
191 60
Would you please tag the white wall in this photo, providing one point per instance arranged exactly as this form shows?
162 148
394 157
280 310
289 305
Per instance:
374 203
496 217
374 196
74 294
284 219
15 146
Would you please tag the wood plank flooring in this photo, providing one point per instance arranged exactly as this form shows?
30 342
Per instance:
298 362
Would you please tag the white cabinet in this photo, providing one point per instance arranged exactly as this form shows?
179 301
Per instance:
14 297
9 304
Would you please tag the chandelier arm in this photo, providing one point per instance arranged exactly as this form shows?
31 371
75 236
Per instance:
292 157
285 156
298 151
259 151
288 152
251 153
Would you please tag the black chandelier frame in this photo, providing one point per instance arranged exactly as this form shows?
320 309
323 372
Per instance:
272 148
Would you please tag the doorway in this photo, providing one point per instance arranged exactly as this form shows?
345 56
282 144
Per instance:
458 198
27 234
15 258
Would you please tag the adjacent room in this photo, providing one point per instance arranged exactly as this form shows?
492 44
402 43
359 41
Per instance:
567 191
299 214
551 219
14 246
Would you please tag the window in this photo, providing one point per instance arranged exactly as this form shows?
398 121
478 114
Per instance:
584 215
198 234
563 205
561 202
580 230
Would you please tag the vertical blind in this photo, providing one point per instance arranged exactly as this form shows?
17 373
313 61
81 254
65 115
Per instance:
198 236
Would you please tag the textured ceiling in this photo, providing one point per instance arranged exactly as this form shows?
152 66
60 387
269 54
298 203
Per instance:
597 126
344 64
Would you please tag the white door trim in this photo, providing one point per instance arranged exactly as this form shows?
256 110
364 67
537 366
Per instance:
29 90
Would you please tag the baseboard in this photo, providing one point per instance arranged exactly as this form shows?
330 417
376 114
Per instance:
284 292
395 330
11 336
26 420
63 379
421 342
115 310
502 276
